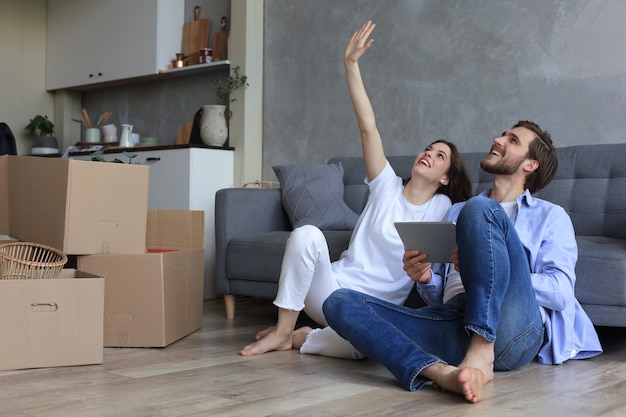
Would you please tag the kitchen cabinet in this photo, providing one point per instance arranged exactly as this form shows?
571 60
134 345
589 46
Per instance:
187 178
90 42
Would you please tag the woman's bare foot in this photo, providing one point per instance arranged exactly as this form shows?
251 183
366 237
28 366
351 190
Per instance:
272 340
264 332
299 336
279 337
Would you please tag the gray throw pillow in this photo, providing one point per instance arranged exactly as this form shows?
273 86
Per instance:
313 194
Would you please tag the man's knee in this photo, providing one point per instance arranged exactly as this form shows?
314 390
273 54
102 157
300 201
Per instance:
478 204
477 211
337 302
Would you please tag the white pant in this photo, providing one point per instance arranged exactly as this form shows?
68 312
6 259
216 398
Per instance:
306 280
327 342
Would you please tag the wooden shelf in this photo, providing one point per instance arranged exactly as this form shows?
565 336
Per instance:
161 76
197 69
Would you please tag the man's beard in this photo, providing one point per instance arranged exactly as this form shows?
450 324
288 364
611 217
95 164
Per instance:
502 167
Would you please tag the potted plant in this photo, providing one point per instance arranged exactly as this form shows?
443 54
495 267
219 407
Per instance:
223 88
213 122
42 130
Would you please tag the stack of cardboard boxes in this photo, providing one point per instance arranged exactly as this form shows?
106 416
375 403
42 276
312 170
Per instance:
138 276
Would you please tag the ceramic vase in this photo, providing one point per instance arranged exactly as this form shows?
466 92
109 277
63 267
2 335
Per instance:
213 125
126 138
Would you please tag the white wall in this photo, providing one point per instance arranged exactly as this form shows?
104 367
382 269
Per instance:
23 73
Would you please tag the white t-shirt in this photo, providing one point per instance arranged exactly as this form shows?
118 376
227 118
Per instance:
372 263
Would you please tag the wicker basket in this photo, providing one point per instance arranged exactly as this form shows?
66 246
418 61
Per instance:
27 260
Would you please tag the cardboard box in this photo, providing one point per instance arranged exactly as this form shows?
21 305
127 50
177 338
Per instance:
155 298
51 322
4 195
79 207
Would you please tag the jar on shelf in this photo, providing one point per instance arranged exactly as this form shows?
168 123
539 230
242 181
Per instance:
206 55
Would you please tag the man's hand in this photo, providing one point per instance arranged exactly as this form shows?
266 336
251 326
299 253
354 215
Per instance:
415 268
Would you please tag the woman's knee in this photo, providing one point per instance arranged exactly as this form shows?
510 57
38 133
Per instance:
307 234
307 230
306 238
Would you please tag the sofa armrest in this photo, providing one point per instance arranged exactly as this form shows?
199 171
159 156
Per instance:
244 211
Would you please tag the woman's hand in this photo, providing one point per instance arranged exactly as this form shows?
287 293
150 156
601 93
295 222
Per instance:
417 270
359 43
455 259
373 153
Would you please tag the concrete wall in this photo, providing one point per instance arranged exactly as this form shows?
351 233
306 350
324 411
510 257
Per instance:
456 69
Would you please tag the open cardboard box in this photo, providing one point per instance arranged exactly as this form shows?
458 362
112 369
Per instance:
155 298
51 322
79 207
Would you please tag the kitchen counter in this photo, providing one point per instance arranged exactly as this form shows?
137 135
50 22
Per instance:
183 177
141 148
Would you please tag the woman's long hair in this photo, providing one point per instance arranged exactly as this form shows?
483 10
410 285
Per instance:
459 186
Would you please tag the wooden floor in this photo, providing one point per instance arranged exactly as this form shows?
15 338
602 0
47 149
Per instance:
202 375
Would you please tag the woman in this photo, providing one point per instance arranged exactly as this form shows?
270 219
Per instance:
373 261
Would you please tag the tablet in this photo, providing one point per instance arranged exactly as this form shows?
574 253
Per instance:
437 239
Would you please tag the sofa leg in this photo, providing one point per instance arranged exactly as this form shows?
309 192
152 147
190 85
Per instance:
229 302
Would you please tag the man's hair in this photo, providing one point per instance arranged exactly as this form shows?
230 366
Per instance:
542 150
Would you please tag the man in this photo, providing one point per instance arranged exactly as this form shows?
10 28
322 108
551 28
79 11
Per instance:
506 297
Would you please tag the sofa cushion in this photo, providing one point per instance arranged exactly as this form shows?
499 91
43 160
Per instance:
258 257
313 194
601 271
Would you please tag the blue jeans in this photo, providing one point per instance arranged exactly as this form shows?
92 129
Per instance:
499 304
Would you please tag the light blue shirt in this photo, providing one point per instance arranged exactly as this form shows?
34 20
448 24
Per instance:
547 233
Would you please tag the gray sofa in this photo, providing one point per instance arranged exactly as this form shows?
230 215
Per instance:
252 227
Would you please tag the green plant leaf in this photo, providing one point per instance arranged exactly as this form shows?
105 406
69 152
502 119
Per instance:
98 156
223 88
42 124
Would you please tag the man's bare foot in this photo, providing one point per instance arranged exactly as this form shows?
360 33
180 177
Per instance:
299 336
270 341
479 355
468 382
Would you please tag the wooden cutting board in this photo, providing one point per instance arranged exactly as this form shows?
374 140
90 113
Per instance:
220 42
184 134
195 34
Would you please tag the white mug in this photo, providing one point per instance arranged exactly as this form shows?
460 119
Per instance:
110 133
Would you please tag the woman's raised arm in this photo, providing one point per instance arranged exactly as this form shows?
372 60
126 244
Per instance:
373 152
